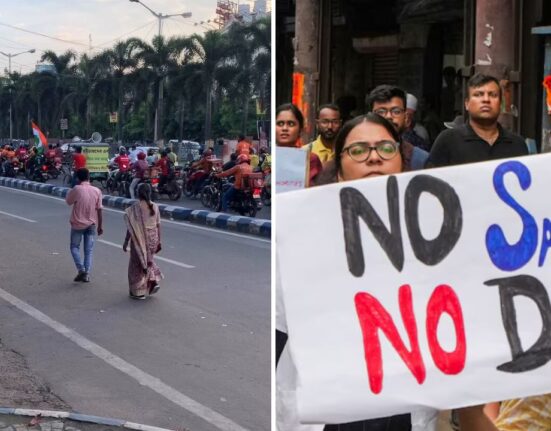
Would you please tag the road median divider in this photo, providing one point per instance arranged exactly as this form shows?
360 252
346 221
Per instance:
242 224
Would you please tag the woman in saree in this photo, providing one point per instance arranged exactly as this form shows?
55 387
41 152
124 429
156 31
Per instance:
143 224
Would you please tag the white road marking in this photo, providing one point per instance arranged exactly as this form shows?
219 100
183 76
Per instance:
164 259
18 217
219 421
179 223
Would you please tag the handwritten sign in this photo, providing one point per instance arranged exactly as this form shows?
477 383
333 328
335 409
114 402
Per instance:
291 169
425 289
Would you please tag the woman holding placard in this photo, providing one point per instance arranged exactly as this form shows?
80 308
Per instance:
289 125
366 147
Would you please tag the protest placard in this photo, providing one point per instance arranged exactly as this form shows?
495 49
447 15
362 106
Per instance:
424 289
291 169
97 158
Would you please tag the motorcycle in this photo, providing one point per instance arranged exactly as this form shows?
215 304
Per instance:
211 193
246 201
191 178
172 187
123 184
266 193
10 168
54 166
40 171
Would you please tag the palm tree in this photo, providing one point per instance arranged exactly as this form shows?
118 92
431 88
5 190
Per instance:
65 69
92 83
212 51
260 31
159 60
123 61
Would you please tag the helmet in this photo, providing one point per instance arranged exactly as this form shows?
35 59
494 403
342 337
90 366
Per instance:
141 155
122 150
242 158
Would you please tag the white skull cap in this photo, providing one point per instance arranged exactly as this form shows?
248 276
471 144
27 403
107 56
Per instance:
411 102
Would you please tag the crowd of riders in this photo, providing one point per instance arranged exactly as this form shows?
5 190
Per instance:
26 159
137 166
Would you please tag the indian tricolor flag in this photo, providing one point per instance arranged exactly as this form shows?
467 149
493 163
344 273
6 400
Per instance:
40 141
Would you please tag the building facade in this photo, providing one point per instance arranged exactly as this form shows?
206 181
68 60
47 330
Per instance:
338 50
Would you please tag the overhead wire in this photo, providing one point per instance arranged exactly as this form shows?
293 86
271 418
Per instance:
44 35
127 33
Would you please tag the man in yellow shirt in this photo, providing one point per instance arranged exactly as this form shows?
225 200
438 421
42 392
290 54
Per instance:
328 123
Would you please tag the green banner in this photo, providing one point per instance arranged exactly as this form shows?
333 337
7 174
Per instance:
97 158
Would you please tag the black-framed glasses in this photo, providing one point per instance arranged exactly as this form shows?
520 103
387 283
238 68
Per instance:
360 151
395 112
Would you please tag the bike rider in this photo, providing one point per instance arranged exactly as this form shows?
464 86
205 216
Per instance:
241 169
172 156
164 165
21 152
202 168
123 162
79 162
139 168
151 157
8 155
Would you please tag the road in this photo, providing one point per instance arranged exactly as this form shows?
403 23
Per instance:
196 356
265 213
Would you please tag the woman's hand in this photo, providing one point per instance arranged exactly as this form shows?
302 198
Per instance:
125 247
159 248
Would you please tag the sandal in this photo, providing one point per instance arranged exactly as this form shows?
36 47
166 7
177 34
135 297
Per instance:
154 289
137 296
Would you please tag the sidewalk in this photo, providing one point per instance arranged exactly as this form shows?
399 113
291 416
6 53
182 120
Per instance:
45 420
24 396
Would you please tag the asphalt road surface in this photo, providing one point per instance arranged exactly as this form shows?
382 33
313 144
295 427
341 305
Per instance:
195 356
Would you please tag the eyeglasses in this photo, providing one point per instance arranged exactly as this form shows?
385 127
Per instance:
395 112
361 151
327 122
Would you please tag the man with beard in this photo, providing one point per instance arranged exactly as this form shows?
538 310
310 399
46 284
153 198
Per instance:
328 123
481 138
389 102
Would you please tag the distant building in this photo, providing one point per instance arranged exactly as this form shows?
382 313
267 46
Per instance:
244 12
46 68
260 8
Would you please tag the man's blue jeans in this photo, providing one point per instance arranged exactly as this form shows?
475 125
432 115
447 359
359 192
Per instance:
89 235
227 198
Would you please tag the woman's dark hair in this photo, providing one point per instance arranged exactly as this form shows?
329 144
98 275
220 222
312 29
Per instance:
144 194
331 169
296 112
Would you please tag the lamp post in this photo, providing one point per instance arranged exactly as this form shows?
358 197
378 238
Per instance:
10 56
160 17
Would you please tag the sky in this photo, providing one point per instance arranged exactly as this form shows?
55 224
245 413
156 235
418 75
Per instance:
105 21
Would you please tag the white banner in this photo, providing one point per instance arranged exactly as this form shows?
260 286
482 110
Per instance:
291 169
425 289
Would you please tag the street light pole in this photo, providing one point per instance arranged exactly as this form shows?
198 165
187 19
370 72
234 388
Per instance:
160 17
9 55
